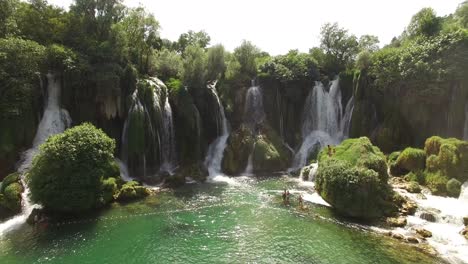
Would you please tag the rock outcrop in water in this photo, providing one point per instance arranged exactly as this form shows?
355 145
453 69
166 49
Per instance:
10 195
353 179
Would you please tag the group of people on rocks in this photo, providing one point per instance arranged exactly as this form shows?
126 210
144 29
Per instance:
286 196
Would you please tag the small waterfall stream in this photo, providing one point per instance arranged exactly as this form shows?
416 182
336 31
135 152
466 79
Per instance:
55 120
215 153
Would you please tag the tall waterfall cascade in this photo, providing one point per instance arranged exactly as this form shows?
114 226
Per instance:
254 115
157 128
54 121
214 156
168 143
323 121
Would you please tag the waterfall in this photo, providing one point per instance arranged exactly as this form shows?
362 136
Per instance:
254 114
54 120
323 122
345 124
464 193
215 153
168 139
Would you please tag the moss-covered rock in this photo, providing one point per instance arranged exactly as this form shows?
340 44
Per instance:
436 182
453 187
132 190
413 187
10 195
239 146
354 180
269 153
411 159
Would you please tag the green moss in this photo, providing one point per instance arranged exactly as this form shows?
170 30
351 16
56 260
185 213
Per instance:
132 190
448 157
411 159
437 183
239 146
109 189
453 188
359 152
12 197
14 177
413 187
417 176
354 180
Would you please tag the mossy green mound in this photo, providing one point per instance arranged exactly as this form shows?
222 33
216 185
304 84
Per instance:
411 159
354 180
132 190
10 195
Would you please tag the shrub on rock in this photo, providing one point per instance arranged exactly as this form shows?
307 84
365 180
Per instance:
72 170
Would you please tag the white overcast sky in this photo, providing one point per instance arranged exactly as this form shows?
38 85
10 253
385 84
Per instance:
278 26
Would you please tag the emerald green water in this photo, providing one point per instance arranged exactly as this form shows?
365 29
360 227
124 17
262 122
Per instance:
208 223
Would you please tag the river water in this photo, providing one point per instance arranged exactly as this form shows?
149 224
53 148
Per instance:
238 221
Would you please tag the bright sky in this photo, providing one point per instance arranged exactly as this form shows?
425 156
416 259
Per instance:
277 26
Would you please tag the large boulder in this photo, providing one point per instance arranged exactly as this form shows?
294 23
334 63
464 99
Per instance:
354 180
411 159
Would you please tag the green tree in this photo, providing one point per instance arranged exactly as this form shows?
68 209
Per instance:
369 43
200 38
7 21
194 66
41 22
142 35
69 172
246 54
340 46
216 62
461 14
168 64
424 23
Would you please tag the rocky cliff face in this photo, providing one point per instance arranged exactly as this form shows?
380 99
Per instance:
408 112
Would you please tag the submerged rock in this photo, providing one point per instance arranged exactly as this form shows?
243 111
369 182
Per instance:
465 220
424 232
412 240
430 217
396 221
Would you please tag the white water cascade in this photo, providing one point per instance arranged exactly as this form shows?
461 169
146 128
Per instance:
168 139
254 114
323 121
55 120
215 153
449 213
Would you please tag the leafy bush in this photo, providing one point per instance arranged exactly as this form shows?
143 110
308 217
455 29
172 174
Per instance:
67 173
454 187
